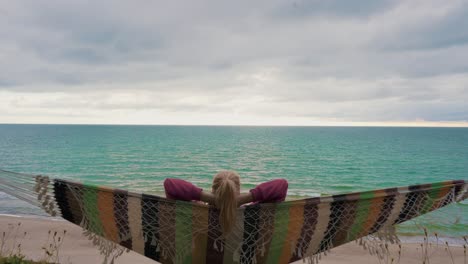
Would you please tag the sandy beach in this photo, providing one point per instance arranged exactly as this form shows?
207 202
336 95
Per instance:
76 248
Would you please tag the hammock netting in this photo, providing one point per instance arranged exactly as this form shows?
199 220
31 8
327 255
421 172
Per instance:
171 231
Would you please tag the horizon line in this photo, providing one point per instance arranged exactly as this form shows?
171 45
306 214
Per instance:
444 124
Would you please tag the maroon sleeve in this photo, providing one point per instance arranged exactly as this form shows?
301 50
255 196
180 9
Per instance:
270 192
178 189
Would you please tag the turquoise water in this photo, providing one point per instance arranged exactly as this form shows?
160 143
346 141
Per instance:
315 160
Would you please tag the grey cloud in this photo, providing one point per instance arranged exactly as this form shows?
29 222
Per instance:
384 110
446 32
371 51
335 8
86 36
168 101
85 55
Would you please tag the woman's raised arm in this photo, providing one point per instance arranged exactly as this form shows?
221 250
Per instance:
178 189
267 192
270 192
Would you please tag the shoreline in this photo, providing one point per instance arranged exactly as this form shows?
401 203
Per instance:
76 248
405 239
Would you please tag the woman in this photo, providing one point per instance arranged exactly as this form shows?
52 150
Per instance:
225 194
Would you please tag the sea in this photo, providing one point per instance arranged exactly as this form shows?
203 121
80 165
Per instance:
316 161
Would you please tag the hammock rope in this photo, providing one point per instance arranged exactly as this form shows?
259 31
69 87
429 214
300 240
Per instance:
184 232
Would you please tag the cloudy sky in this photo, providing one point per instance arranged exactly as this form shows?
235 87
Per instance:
287 62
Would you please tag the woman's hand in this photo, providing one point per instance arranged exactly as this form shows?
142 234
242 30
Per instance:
207 197
244 198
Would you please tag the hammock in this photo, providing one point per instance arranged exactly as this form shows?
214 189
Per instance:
184 232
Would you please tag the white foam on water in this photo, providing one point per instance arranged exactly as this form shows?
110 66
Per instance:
452 241
34 217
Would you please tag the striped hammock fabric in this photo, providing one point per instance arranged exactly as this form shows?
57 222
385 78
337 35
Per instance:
184 232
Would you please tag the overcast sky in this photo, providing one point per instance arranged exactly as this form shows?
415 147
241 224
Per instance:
234 62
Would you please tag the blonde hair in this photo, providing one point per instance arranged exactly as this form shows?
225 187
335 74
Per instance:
226 188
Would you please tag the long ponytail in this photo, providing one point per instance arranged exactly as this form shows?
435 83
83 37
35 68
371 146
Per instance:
226 189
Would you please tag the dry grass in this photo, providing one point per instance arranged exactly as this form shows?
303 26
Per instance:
10 246
430 244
